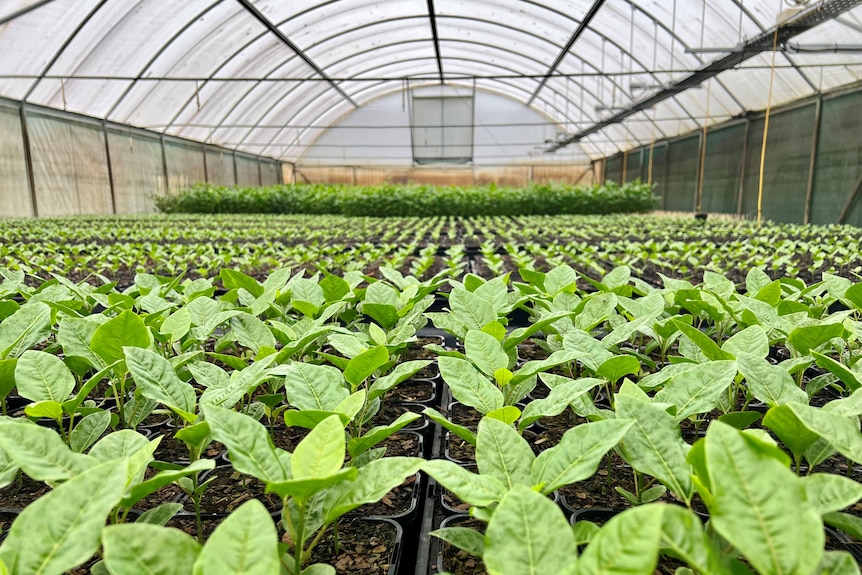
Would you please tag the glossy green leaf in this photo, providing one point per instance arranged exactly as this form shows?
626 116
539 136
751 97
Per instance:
699 388
485 352
139 548
365 364
468 386
752 340
628 544
246 543
373 481
88 430
709 348
401 372
40 452
249 445
528 535
456 429
311 386
156 379
321 453
464 538
24 329
617 367
472 488
502 453
41 376
375 435
578 454
653 445
125 330
61 529
804 339
755 499
769 383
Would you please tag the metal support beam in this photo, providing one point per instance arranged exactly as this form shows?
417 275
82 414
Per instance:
28 159
582 26
110 167
817 14
432 18
258 15
812 165
22 11
741 192
850 201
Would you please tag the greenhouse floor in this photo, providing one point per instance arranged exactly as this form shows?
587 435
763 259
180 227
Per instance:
396 396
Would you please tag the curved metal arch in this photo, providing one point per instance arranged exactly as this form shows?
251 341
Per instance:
510 85
461 83
554 90
71 38
159 53
615 83
418 17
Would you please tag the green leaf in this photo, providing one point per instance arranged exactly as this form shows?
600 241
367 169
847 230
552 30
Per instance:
233 279
375 435
249 445
365 364
161 514
560 397
617 367
755 499
401 372
125 330
309 418
653 445
321 453
752 340
61 529
769 383
304 489
146 488
177 325
578 454
474 311
7 376
478 490
770 293
139 548
528 535
24 329
250 332
789 429
627 545
319 387
683 536
39 451
89 430
840 370
246 543
468 386
502 453
458 430
841 432
44 409
485 352
41 376
709 348
804 339
508 414
837 563
699 388
373 481
319 569
849 524
828 492
464 538
156 379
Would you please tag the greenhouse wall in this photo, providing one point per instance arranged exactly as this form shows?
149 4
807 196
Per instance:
812 170
55 163
467 176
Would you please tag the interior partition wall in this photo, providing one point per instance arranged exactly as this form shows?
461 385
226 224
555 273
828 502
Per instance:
812 166
55 163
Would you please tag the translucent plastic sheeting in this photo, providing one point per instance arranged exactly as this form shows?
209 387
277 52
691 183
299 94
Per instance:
14 187
185 165
200 68
247 172
220 168
137 169
270 173
70 167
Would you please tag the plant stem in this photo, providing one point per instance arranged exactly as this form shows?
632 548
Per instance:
299 544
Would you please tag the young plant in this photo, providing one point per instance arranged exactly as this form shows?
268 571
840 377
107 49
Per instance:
312 481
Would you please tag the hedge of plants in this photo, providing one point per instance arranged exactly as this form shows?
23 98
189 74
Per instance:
390 200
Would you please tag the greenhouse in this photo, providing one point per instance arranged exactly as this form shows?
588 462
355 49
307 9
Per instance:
428 287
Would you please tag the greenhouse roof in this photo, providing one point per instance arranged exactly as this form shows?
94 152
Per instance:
262 75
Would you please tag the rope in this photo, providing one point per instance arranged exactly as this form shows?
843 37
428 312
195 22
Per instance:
766 131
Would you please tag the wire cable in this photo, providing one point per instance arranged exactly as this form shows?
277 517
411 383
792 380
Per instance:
766 131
